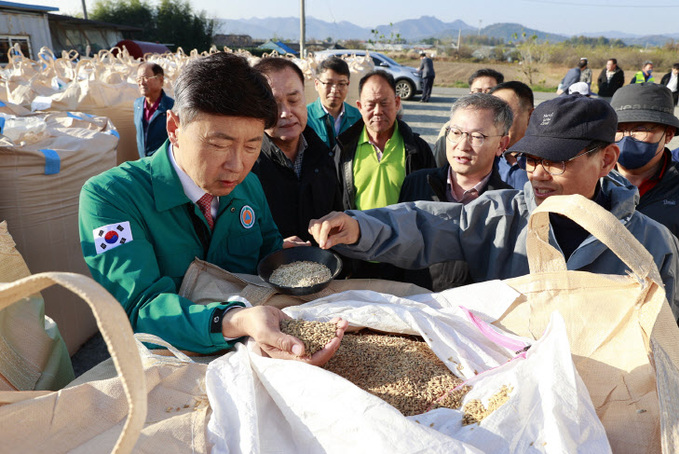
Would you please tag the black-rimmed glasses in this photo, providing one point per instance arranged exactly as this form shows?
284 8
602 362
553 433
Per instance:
529 163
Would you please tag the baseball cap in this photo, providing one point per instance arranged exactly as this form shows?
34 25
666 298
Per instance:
561 127
580 87
647 102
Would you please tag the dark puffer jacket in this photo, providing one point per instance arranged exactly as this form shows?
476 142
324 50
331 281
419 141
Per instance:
294 202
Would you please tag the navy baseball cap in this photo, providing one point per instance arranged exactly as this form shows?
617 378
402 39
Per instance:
562 127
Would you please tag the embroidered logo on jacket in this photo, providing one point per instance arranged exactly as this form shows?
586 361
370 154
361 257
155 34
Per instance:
111 236
247 217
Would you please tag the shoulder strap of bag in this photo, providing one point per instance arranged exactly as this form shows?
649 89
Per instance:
602 224
116 331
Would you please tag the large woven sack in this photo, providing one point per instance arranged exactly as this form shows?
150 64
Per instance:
94 96
624 340
32 353
264 405
206 283
155 404
44 161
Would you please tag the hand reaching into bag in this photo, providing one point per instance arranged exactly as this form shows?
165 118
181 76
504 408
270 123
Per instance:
262 323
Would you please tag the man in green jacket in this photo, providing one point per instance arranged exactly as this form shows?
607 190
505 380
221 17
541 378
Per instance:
144 222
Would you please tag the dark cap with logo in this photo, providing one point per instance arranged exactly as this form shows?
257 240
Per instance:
562 127
645 103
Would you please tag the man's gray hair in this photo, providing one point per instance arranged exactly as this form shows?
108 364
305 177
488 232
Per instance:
502 113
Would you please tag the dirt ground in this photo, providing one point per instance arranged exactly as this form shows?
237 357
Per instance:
449 73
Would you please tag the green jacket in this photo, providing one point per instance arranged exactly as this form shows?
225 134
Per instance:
148 232
316 119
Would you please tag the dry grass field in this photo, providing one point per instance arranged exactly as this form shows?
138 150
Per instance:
450 73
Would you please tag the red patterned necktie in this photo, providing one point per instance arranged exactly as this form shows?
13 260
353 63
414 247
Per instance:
205 205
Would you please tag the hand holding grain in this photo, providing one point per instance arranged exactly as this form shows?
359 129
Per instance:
334 228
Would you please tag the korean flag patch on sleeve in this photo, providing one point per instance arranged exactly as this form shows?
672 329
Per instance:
111 236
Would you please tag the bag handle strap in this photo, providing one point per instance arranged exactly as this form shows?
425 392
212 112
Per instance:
116 331
599 222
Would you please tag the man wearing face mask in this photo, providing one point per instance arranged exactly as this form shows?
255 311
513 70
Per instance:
646 123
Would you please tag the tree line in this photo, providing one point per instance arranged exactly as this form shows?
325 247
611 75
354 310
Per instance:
170 22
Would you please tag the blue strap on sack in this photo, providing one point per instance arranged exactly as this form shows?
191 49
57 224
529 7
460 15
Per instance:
52 161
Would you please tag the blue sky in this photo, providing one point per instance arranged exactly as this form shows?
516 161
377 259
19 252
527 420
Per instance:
569 17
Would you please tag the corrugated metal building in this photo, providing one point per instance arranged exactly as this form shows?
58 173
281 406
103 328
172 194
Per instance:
32 28
26 25
74 33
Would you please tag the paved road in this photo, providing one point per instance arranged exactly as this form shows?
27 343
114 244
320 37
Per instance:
427 119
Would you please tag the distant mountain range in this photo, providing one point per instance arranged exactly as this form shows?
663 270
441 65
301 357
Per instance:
412 30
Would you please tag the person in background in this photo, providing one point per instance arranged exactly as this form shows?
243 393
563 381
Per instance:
519 96
568 149
646 124
150 111
580 88
571 77
645 75
483 80
611 78
295 167
477 135
144 222
427 73
330 115
585 73
670 81
374 156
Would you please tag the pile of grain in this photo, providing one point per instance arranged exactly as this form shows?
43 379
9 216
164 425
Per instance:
475 411
401 370
300 274
314 335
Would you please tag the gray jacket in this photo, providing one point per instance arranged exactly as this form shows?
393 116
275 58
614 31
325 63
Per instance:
490 234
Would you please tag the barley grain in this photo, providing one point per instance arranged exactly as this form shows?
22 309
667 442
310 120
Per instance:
402 370
300 274
314 335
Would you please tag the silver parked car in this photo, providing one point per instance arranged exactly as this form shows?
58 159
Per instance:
408 81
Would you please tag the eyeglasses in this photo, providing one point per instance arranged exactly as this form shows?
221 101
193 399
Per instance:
145 78
480 90
337 85
641 134
530 163
476 139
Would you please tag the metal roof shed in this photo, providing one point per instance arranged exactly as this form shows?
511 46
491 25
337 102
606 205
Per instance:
25 25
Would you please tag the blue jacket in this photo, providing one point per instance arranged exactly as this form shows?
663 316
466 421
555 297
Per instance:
156 133
571 77
316 119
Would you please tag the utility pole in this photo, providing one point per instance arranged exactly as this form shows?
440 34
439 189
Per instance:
302 26
84 10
